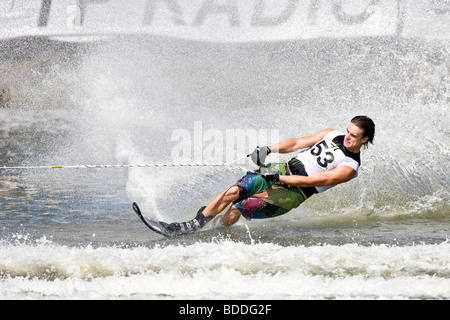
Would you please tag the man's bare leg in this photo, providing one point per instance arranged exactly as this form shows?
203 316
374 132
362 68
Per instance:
216 206
205 214
221 201
231 217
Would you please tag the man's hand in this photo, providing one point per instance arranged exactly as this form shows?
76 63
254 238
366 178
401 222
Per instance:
275 177
259 155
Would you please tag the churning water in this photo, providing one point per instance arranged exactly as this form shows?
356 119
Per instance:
68 233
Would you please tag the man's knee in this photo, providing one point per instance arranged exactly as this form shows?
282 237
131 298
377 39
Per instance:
233 192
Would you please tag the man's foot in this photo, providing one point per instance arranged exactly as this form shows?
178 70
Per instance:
190 226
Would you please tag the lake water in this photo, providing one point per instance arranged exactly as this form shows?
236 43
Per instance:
71 233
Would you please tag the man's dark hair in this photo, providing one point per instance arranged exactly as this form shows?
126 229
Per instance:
367 125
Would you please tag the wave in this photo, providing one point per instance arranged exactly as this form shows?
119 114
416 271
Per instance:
217 270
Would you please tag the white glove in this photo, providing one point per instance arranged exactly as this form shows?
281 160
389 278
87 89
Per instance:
259 155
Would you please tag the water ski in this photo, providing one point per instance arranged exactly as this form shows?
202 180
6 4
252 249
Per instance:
156 226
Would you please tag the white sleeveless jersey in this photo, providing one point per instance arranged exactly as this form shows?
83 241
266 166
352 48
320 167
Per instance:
327 154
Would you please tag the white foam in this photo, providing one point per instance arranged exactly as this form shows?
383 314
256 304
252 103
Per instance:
218 270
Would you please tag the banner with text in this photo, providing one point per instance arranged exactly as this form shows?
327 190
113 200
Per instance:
227 20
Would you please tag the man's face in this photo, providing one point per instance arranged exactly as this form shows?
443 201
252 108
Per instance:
354 139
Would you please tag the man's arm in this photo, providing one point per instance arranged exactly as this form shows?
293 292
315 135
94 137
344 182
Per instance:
338 175
295 144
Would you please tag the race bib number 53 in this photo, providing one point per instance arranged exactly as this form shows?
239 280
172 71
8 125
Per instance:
324 152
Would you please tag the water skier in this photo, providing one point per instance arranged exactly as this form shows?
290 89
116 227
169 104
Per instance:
327 158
